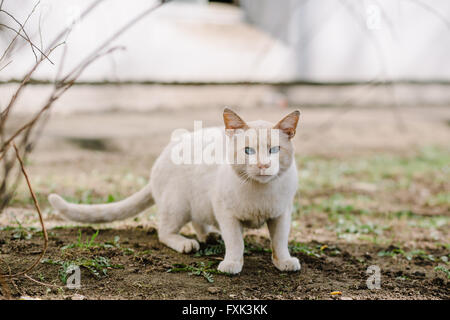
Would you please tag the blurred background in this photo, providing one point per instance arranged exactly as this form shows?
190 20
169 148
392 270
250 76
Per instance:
370 77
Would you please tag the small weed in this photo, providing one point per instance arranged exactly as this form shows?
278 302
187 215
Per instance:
219 249
444 270
391 253
253 248
212 250
111 198
97 266
90 242
297 247
127 251
202 269
419 254
407 255
20 232
348 224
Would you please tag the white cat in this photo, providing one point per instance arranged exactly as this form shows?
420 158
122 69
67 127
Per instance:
225 196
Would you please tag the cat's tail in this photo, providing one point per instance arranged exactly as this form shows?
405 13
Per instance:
97 213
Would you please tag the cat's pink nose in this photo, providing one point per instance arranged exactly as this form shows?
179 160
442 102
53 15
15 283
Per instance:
263 165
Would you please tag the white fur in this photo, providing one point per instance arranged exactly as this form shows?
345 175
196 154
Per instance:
208 195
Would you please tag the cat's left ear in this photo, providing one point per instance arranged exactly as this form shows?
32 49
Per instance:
288 124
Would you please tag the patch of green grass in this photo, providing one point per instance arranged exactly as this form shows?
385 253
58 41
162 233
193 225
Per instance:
20 232
201 269
407 255
338 204
430 222
443 245
391 253
219 249
444 270
421 221
254 248
355 227
24 199
81 196
97 266
212 250
90 242
347 224
384 170
128 251
297 247
440 199
89 196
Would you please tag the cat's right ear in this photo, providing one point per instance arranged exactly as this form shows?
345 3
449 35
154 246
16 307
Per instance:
232 122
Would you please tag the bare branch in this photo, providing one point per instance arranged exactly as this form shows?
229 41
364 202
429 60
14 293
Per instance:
119 32
60 88
7 64
22 26
38 209
71 77
53 45
5 288
26 39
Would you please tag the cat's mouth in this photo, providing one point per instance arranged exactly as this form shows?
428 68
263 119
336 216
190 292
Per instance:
263 178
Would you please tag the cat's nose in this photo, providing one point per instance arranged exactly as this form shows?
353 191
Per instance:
263 165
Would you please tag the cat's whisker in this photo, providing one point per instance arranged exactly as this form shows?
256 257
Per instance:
244 177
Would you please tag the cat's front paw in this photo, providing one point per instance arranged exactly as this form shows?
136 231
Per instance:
290 264
186 246
232 267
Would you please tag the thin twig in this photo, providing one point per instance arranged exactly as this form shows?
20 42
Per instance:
22 28
24 82
7 64
118 33
55 96
26 39
71 77
42 283
11 280
38 209
53 45
5 289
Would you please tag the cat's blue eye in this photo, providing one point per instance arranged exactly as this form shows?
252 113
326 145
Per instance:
249 151
274 149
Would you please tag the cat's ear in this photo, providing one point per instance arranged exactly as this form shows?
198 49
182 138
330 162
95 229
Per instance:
288 124
233 121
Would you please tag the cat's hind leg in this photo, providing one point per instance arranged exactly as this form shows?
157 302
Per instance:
201 230
206 233
168 229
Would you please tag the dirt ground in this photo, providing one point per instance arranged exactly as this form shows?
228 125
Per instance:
141 270
374 190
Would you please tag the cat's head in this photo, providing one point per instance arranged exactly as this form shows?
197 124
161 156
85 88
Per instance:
261 150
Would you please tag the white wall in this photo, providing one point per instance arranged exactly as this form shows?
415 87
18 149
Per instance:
360 40
320 40
182 41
